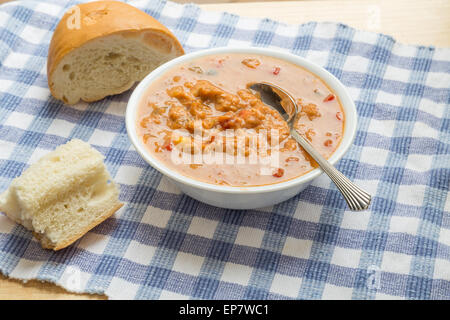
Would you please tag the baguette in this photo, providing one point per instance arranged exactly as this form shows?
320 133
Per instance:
102 48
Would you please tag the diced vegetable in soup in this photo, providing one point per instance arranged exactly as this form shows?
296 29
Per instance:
201 120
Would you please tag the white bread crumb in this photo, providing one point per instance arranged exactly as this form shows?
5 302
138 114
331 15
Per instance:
105 66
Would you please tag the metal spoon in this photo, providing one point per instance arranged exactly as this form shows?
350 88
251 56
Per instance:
277 98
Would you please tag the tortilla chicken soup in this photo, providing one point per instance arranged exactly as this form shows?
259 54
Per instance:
201 120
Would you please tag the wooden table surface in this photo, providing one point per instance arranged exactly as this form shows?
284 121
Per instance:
425 22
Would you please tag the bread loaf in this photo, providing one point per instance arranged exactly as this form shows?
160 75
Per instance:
63 195
102 48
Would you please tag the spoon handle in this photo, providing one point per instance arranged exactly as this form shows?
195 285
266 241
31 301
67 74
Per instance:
357 199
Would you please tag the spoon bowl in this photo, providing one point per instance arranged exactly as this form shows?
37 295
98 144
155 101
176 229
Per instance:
277 98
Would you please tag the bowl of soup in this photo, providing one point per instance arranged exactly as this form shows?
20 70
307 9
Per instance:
195 120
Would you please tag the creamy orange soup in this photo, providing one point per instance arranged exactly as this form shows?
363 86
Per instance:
201 120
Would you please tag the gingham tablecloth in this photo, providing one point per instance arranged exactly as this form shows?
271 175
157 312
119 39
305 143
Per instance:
163 244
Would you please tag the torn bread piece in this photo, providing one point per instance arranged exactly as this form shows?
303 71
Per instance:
62 196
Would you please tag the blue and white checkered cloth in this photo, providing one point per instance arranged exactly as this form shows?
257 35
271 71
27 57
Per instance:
165 245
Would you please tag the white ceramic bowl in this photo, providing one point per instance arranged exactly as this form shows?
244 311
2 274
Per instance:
241 197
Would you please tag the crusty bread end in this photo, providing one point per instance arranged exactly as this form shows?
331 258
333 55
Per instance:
114 46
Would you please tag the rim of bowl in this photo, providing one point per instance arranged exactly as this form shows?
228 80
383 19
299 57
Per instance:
338 88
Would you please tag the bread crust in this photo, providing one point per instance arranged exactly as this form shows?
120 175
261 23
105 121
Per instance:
46 244
99 19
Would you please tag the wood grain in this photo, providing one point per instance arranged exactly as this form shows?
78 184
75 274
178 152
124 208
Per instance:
33 290
425 22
